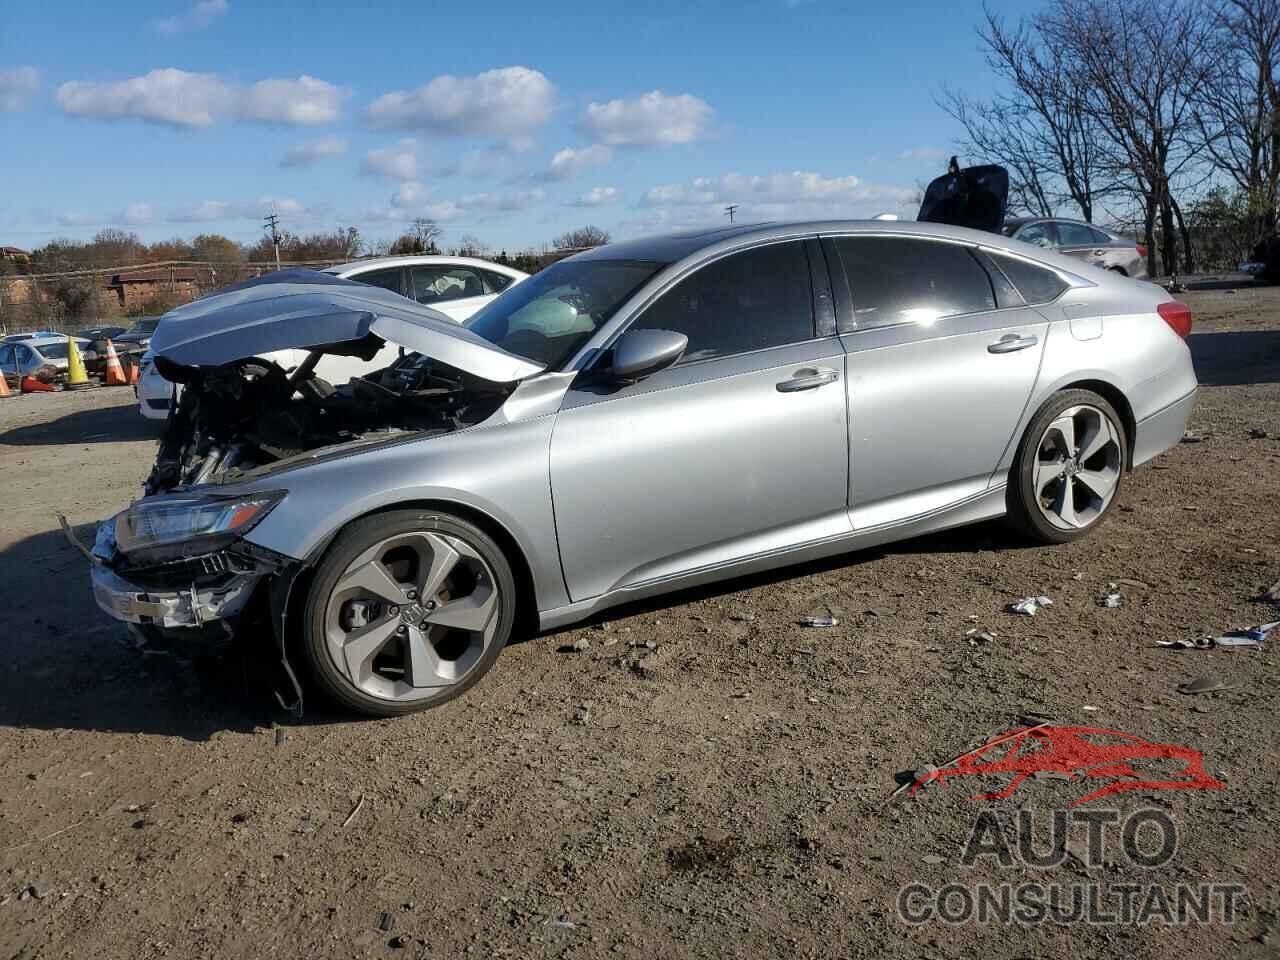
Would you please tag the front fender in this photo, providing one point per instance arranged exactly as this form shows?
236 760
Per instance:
500 471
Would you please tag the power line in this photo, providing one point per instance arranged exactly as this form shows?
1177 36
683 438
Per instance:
730 210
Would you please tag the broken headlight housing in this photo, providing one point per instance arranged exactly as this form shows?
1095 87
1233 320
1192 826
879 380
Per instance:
187 525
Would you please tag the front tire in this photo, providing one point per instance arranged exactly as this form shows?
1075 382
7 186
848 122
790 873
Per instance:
1068 468
408 609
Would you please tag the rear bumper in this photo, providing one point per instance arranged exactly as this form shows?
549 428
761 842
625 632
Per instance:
1162 430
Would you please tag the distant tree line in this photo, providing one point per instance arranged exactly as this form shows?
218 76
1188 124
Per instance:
1162 117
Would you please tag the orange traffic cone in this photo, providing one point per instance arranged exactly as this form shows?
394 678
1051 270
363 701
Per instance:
134 372
32 385
115 372
5 392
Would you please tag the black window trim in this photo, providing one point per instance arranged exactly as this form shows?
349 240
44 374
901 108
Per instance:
606 350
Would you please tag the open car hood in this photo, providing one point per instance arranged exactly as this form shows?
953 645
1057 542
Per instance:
975 197
309 310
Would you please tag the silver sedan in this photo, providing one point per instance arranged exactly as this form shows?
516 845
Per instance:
636 419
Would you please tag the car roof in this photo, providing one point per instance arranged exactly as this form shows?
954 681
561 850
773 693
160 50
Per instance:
417 260
39 342
673 247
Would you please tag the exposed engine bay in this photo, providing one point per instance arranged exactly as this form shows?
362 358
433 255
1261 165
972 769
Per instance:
247 414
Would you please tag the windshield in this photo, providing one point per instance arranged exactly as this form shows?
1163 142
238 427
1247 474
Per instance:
548 317
1009 229
143 328
53 351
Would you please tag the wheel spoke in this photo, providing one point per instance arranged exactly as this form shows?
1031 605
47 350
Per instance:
1065 428
422 663
360 648
371 577
1099 482
444 558
1098 436
471 613
1044 473
1064 504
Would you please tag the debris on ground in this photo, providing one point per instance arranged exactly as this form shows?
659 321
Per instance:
561 925
386 921
1112 599
581 645
1251 638
354 812
975 636
825 620
1028 606
1190 437
1090 708
1257 433
1206 684
1270 595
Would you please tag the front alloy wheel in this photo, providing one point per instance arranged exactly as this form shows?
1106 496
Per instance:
407 610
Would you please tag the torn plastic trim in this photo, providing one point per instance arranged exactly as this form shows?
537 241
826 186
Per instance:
191 606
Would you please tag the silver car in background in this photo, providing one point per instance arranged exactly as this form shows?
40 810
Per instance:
639 418
1084 241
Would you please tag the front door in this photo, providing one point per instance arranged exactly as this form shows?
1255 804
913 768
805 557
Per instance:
739 449
939 372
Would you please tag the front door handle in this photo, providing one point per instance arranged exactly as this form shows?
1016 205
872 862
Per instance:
808 378
1012 343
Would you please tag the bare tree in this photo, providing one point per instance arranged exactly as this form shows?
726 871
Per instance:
1237 112
581 238
426 232
1040 127
470 246
1141 70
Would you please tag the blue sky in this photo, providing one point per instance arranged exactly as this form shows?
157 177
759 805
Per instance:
511 122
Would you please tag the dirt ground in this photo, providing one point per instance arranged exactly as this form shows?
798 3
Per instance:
729 798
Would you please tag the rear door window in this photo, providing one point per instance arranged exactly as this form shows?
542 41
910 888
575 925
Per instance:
387 279
1036 284
894 280
441 284
1039 234
747 301
1078 235
495 282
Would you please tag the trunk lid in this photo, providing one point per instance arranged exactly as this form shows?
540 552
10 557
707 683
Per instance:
975 197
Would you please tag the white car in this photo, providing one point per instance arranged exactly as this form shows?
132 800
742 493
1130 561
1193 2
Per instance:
456 286
28 355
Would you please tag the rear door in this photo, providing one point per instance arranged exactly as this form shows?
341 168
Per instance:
739 449
942 358
1083 242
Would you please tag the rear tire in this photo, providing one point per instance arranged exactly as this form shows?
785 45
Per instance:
407 610
1068 468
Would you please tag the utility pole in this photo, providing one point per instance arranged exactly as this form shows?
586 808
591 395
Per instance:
730 210
271 222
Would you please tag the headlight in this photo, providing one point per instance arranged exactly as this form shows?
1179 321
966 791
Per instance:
204 523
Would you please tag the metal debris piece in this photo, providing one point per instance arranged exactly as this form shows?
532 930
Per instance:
820 621
1270 595
1234 639
1199 643
352 815
976 636
1111 599
1257 433
386 921
1207 684
1090 708
1190 437
1028 606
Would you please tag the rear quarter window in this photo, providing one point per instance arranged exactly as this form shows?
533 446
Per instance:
1036 284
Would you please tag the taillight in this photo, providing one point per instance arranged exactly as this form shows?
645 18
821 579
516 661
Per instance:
1177 315
1142 250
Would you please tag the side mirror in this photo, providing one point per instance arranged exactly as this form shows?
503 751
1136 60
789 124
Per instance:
642 353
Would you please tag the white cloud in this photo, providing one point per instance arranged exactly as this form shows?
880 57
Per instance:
597 197
509 103
136 214
17 85
78 218
570 162
928 154
792 195
413 199
203 13
651 119
397 162
408 194
203 211
504 202
183 99
305 154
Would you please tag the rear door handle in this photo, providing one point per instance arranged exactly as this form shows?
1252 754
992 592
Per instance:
1012 343
807 379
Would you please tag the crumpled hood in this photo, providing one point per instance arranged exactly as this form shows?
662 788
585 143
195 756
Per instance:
306 309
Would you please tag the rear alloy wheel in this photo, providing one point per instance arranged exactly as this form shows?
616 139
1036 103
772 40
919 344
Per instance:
1069 467
407 610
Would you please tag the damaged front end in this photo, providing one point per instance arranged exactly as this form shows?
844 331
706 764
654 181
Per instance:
175 562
